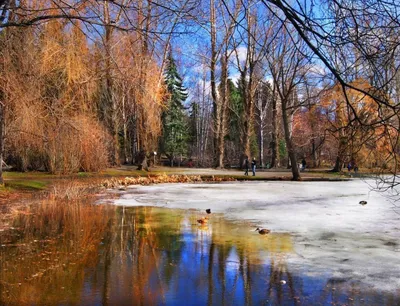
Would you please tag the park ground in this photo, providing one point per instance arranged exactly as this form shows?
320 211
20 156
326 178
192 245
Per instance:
20 189
20 185
332 237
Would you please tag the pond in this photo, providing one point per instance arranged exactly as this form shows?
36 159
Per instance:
149 249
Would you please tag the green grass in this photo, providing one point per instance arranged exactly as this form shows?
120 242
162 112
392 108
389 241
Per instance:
27 175
26 181
37 181
32 185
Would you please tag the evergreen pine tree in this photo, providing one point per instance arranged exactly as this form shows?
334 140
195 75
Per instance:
175 128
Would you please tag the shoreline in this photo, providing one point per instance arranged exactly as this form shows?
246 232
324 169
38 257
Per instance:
21 187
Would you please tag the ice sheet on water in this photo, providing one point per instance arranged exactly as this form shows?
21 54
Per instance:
330 229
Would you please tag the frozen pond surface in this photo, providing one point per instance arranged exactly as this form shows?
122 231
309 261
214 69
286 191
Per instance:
332 233
324 247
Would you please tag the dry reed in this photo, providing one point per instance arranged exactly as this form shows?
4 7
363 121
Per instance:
160 179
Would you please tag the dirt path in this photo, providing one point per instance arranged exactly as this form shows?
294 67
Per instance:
260 174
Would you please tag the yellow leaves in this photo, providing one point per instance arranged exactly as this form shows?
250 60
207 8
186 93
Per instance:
77 53
139 81
55 83
355 118
337 98
52 50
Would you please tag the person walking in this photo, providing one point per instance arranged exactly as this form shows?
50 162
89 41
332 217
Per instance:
246 166
303 164
253 166
349 166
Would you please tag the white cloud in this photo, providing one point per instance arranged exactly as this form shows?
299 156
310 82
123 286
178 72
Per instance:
235 77
239 53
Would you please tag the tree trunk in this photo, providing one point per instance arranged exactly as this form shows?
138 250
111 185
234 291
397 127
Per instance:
314 152
109 86
290 123
125 130
133 133
2 120
261 146
216 108
342 145
247 117
289 145
250 84
274 141
338 165
223 109
142 161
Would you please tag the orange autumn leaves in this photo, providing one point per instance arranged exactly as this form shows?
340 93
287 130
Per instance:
351 125
51 83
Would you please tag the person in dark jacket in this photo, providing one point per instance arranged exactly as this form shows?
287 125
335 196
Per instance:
253 166
303 164
246 166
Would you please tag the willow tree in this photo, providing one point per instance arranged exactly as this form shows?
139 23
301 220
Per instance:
150 19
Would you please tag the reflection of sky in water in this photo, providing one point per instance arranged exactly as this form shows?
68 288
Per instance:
330 230
159 256
225 278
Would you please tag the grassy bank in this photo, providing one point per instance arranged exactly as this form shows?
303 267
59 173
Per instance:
19 185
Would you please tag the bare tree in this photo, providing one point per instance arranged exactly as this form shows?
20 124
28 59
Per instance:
287 64
224 25
251 38
265 96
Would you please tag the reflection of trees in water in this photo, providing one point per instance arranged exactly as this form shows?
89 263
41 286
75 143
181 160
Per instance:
219 263
222 264
158 256
278 273
54 242
144 245
252 252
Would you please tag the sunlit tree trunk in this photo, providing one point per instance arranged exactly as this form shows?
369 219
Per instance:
216 106
274 132
261 146
223 108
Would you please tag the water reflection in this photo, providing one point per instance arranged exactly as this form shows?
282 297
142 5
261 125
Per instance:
86 255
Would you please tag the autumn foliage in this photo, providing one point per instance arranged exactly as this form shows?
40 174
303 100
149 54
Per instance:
56 90
347 126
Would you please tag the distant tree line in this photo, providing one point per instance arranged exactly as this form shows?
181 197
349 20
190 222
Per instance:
87 84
